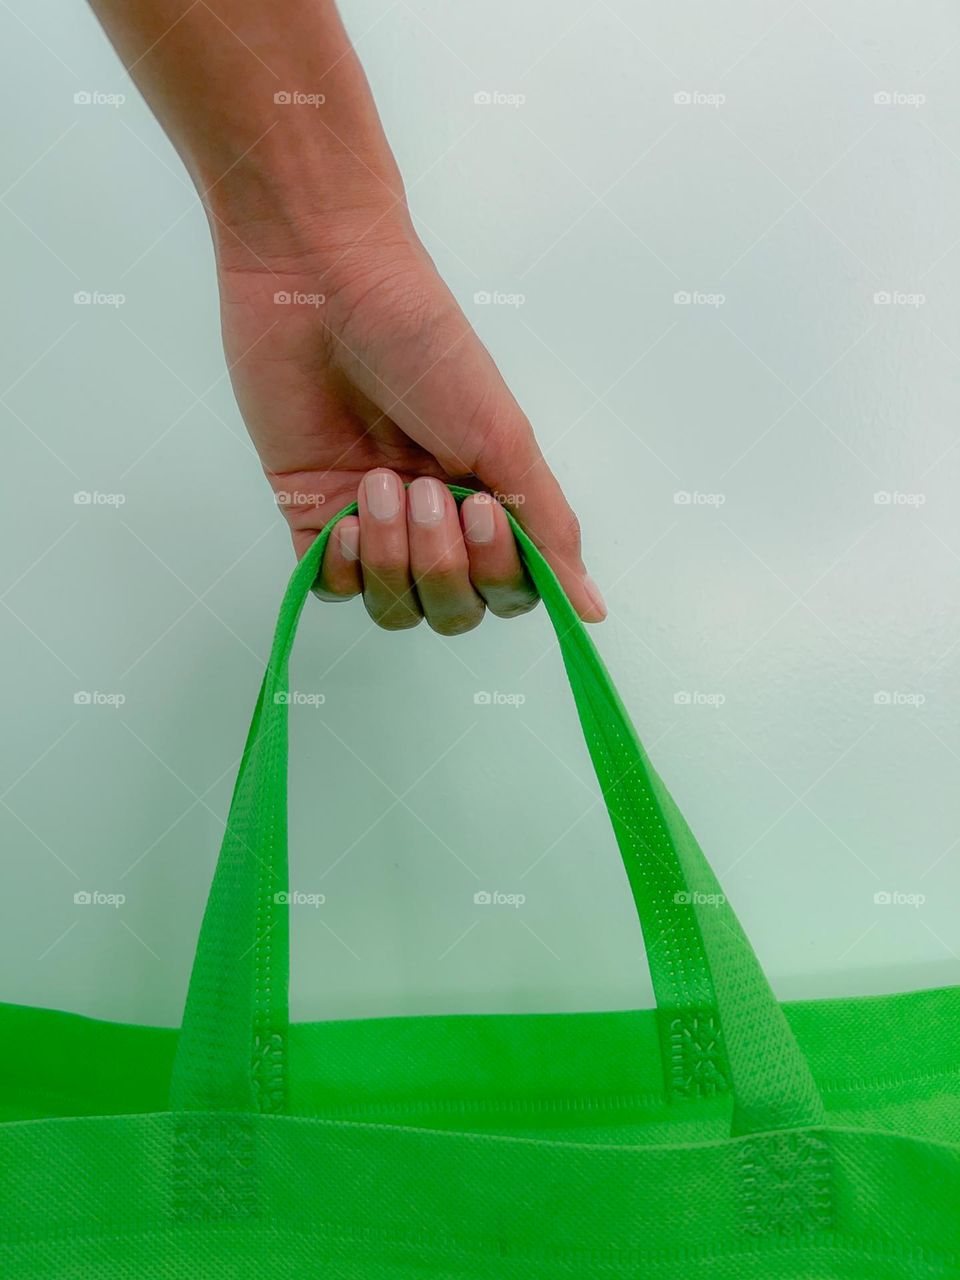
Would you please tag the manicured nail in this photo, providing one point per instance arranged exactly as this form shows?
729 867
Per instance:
479 524
382 489
426 501
593 591
349 536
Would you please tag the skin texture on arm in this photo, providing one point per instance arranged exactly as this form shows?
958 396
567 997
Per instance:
353 365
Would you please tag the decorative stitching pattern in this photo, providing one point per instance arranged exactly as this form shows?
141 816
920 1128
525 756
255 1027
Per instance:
787 1184
267 1066
697 1059
214 1169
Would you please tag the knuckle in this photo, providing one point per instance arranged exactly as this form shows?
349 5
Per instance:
568 531
450 571
390 577
501 431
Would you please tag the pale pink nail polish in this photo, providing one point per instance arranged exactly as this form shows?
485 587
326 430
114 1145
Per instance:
382 490
349 537
478 519
427 503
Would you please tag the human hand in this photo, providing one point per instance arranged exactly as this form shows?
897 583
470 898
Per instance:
347 351
366 376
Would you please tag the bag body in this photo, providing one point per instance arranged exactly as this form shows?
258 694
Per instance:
718 1135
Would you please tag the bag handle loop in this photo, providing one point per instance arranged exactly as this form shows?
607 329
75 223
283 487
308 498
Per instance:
721 1026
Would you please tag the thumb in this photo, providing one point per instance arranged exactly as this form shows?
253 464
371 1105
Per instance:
457 405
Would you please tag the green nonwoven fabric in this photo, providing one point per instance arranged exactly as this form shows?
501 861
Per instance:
718 1135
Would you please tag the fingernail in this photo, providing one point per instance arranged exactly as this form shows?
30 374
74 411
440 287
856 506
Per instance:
478 521
426 501
382 489
593 591
349 536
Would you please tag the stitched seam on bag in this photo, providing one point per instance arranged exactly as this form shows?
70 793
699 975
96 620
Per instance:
268 1050
39 1094
697 1058
260 970
623 1260
267 1066
680 971
214 1171
787 1184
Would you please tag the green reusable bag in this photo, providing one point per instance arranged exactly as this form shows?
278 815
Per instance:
719 1135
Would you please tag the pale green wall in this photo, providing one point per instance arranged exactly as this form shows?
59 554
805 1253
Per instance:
798 599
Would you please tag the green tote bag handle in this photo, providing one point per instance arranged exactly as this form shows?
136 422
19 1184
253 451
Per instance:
708 983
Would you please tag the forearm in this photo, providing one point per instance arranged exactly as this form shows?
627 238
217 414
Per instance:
271 113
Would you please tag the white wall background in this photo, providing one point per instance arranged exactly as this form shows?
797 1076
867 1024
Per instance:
799 599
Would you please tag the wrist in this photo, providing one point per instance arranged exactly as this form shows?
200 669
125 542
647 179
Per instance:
289 212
